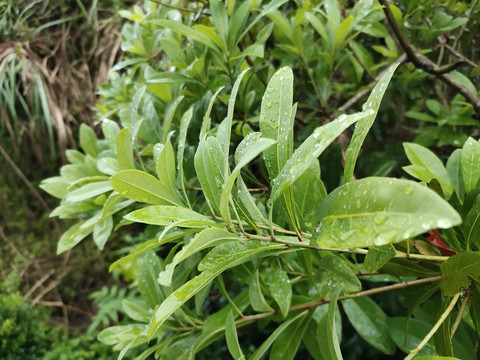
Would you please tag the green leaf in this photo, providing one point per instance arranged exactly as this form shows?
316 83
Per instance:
143 187
121 334
380 211
303 158
280 287
237 24
102 231
138 310
206 118
225 128
417 329
124 150
88 140
427 166
471 227
470 160
267 9
363 126
56 186
166 165
207 238
326 332
343 30
165 215
276 121
370 322
250 147
169 117
209 164
333 274
74 235
232 338
88 191
213 267
454 169
286 345
261 351
184 123
257 299
435 357
220 20
149 267
458 270
378 256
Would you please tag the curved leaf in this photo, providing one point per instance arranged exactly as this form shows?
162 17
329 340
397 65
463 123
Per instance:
380 211
458 270
143 187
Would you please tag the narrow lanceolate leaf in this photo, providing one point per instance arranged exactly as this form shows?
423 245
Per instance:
166 165
166 214
124 149
88 191
250 147
261 351
255 293
149 267
280 287
184 123
286 345
169 117
370 322
209 165
471 227
276 121
326 332
206 118
333 274
363 126
88 140
470 160
454 169
239 254
426 166
102 231
205 239
143 187
225 128
310 150
380 211
458 271
232 338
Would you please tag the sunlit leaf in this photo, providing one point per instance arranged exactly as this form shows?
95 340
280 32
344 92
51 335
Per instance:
380 211
470 160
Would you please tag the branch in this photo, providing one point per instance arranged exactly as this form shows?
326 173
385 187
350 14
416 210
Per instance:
424 63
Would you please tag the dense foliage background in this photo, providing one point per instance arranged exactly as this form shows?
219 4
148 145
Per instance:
171 159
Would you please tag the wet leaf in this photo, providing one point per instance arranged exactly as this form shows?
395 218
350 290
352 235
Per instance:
149 267
88 140
280 287
88 191
166 165
470 160
124 150
261 351
309 151
326 332
458 270
166 215
454 170
169 117
334 274
471 227
138 310
380 211
143 187
363 126
417 329
207 238
426 166
370 322
102 231
212 266
378 256
232 338
257 299
250 147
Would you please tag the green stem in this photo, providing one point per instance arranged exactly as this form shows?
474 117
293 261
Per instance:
465 301
434 329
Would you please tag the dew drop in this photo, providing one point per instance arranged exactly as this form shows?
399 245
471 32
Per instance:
342 117
269 104
408 190
380 219
444 223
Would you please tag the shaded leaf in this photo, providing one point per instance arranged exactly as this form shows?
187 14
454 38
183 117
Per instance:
326 332
333 274
370 322
257 299
149 267
280 287
378 256
470 160
232 338
458 270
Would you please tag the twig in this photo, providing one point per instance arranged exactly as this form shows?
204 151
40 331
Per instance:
465 301
424 63
434 329
24 179
38 284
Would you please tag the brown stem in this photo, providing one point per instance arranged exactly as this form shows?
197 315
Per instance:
424 63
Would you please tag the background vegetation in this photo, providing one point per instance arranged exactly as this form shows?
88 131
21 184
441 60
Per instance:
183 70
